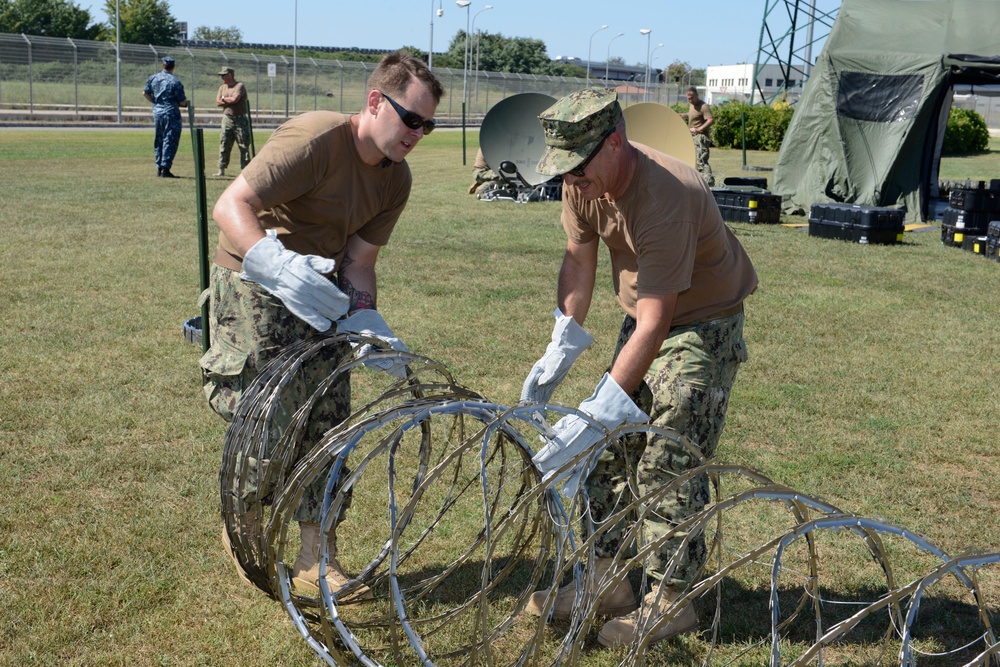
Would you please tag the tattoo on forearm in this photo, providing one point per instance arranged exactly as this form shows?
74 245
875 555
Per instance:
359 298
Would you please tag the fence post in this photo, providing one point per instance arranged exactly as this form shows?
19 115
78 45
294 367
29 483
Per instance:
31 91
256 92
76 79
315 83
285 60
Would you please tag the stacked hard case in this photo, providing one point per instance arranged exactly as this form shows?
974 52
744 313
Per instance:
860 224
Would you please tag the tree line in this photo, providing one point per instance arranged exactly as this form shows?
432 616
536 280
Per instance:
151 22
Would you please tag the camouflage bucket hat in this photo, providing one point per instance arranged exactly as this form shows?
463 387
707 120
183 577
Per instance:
573 127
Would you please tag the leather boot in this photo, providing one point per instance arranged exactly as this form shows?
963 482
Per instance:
615 602
305 571
622 630
246 524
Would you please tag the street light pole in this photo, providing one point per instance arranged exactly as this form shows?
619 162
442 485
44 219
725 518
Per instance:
430 51
477 46
652 70
465 69
646 32
589 47
607 60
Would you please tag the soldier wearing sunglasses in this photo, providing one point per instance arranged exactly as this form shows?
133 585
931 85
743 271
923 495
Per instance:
681 277
300 232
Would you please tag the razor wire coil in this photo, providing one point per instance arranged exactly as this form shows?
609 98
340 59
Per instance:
443 458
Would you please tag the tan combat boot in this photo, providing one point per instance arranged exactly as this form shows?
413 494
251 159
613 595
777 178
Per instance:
305 571
618 601
246 524
221 172
620 631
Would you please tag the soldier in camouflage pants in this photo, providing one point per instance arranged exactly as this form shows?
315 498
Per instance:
245 317
687 389
681 276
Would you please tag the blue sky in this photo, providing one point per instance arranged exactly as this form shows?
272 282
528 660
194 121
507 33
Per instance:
701 33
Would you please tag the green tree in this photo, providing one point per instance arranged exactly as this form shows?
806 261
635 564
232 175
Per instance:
677 72
219 34
49 18
142 22
497 53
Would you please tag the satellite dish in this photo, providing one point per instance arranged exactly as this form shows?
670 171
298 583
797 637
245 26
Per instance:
511 133
661 128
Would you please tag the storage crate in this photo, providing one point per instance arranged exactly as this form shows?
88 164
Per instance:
977 199
973 222
748 204
861 224
752 181
974 244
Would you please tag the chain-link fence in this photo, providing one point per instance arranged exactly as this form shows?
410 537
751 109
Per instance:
45 78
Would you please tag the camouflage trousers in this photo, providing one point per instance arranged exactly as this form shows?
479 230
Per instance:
701 151
234 129
168 135
686 388
249 327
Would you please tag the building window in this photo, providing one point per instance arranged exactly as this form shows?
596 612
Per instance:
768 83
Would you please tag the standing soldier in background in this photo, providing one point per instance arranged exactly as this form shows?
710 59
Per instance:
232 97
166 92
699 118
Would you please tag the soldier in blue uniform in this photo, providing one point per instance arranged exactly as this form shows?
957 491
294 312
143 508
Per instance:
166 92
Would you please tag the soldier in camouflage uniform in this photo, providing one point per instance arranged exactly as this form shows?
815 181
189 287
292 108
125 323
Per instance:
232 98
166 92
293 259
699 118
681 277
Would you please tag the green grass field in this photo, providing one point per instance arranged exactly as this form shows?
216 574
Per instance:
872 383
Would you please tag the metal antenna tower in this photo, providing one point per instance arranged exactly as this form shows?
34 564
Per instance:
790 33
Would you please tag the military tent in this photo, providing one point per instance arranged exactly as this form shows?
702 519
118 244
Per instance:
869 126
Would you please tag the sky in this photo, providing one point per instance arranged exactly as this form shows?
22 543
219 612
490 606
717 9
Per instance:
709 33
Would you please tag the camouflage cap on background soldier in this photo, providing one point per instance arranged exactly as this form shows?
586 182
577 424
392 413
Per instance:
573 127
226 70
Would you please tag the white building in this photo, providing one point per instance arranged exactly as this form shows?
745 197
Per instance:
735 82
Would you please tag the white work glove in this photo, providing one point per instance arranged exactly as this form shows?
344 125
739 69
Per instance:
368 322
297 280
574 435
569 340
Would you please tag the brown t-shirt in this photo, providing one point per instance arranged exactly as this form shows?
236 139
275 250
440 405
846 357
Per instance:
237 108
666 236
317 191
697 115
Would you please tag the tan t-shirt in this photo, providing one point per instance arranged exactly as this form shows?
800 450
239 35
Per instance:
666 236
317 191
237 108
697 115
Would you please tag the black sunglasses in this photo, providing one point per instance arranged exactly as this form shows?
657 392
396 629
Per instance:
578 171
410 119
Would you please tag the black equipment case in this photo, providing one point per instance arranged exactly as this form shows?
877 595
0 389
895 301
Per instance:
861 224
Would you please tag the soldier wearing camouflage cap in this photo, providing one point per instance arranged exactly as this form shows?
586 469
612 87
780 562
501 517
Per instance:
681 277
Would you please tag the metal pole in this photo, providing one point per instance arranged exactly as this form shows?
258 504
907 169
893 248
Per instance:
607 61
118 56
201 199
295 60
76 78
647 32
590 44
465 70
